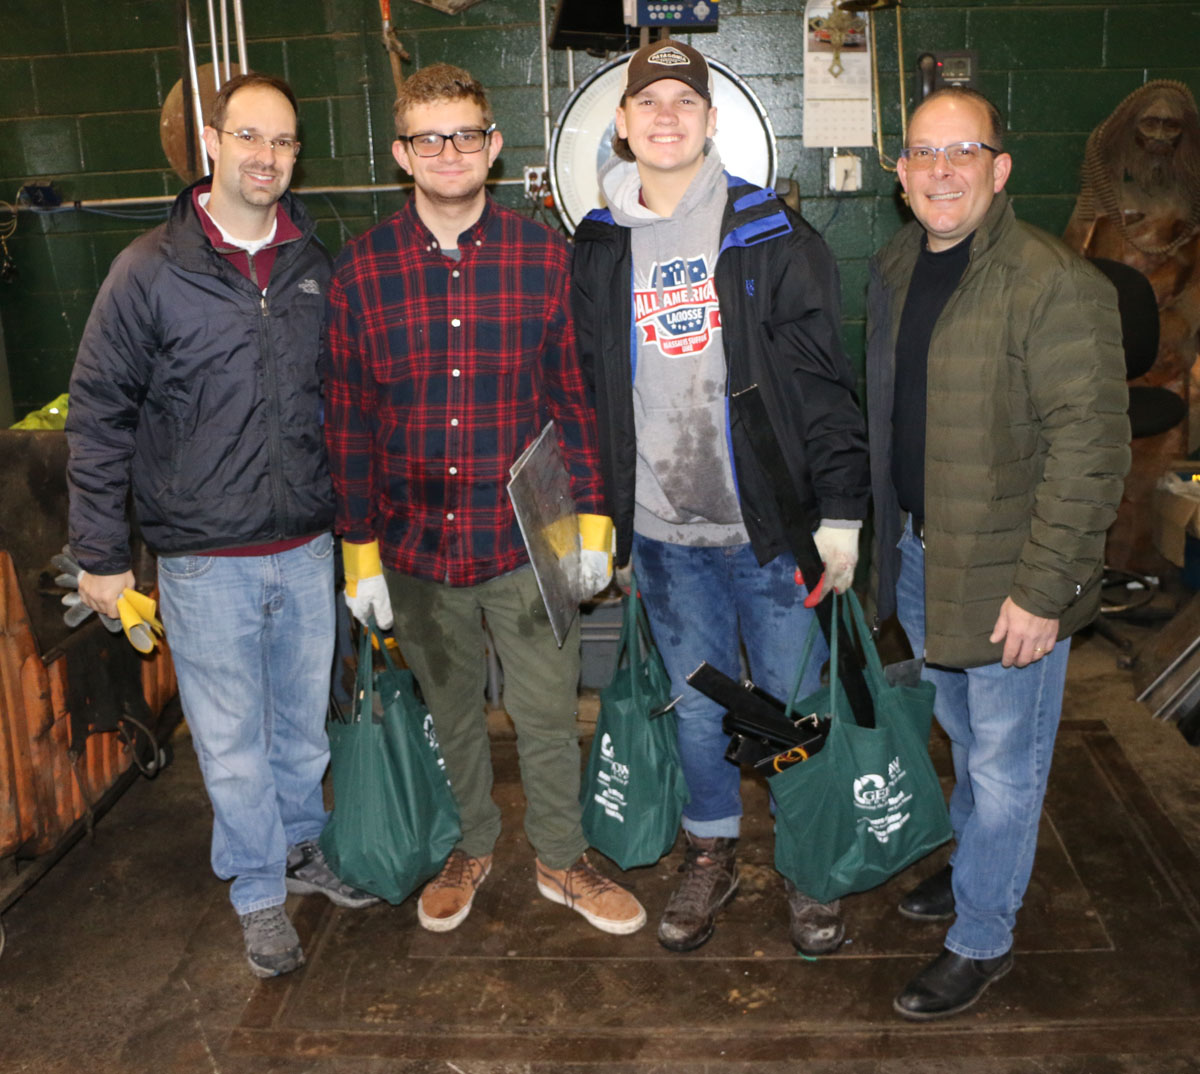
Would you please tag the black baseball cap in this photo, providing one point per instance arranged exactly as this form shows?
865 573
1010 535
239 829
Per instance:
667 59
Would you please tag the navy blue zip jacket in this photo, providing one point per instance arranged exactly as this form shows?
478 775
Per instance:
777 286
202 394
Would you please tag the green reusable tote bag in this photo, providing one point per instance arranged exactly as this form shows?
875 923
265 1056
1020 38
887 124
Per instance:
634 792
394 818
869 803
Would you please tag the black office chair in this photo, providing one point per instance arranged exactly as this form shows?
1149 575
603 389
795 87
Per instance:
1126 594
1151 410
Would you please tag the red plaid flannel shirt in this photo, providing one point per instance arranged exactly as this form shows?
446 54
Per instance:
440 373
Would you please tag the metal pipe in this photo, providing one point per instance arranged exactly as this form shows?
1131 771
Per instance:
202 160
239 22
545 79
366 86
385 188
212 41
306 191
225 40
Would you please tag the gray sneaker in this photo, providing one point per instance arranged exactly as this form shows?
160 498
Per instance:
272 946
308 873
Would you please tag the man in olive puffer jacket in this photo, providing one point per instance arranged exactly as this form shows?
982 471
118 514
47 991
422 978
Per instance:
1006 347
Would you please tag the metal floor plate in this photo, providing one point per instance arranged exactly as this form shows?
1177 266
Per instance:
1108 950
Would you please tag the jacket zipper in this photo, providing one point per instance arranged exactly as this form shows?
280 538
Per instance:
271 393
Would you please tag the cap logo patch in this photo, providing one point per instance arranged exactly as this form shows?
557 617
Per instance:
668 57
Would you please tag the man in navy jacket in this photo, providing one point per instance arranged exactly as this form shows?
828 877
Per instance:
196 386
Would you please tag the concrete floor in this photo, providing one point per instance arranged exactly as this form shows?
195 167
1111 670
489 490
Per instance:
126 956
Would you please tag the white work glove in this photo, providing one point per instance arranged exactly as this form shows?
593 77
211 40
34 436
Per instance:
838 548
595 552
366 590
624 576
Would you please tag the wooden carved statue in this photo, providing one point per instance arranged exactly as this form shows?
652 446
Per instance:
1140 204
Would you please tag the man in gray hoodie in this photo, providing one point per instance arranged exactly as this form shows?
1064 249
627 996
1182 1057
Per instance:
691 286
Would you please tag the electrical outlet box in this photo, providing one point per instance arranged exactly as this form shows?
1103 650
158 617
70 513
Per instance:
845 173
537 183
936 70
673 13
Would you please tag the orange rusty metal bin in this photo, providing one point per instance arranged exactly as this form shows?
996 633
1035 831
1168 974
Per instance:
81 712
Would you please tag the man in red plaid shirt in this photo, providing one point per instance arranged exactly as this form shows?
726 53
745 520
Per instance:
451 344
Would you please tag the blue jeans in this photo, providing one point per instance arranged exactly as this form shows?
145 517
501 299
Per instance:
702 603
252 642
1001 723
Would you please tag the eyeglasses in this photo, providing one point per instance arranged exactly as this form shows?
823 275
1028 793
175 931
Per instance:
250 140
431 144
922 157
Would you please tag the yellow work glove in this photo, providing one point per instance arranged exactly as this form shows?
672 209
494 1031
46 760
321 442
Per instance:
146 608
562 535
596 538
137 630
366 590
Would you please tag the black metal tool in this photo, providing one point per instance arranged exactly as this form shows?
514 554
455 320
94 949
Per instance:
757 423
761 733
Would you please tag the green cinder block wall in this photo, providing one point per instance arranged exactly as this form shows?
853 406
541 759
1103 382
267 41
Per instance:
82 85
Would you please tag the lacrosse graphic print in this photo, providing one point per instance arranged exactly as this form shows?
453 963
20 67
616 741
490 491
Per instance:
678 311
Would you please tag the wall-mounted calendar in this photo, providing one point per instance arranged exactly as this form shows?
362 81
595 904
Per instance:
837 77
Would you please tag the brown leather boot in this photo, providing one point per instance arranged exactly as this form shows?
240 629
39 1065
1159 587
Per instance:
710 880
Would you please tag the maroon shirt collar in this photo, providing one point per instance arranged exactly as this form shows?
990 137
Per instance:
258 272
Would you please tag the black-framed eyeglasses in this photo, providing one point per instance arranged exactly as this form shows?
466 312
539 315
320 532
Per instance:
431 144
253 140
922 157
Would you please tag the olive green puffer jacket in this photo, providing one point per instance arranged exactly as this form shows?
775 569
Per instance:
1027 435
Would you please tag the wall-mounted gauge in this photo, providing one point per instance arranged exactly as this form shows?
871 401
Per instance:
582 136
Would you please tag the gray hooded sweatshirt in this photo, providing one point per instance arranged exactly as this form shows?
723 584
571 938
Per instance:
685 492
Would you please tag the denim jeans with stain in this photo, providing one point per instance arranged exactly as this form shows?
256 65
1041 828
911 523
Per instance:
705 604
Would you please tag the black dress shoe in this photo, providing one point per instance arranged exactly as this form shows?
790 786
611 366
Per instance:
932 899
949 984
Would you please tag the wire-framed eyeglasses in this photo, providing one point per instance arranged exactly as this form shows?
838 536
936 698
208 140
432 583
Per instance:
253 140
431 144
922 157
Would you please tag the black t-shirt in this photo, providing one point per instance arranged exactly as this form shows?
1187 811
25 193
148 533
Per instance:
933 282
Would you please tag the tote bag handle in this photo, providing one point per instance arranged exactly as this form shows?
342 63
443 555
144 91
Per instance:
857 624
362 704
802 666
635 641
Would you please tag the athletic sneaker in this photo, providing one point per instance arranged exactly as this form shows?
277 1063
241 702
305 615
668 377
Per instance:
308 873
272 946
